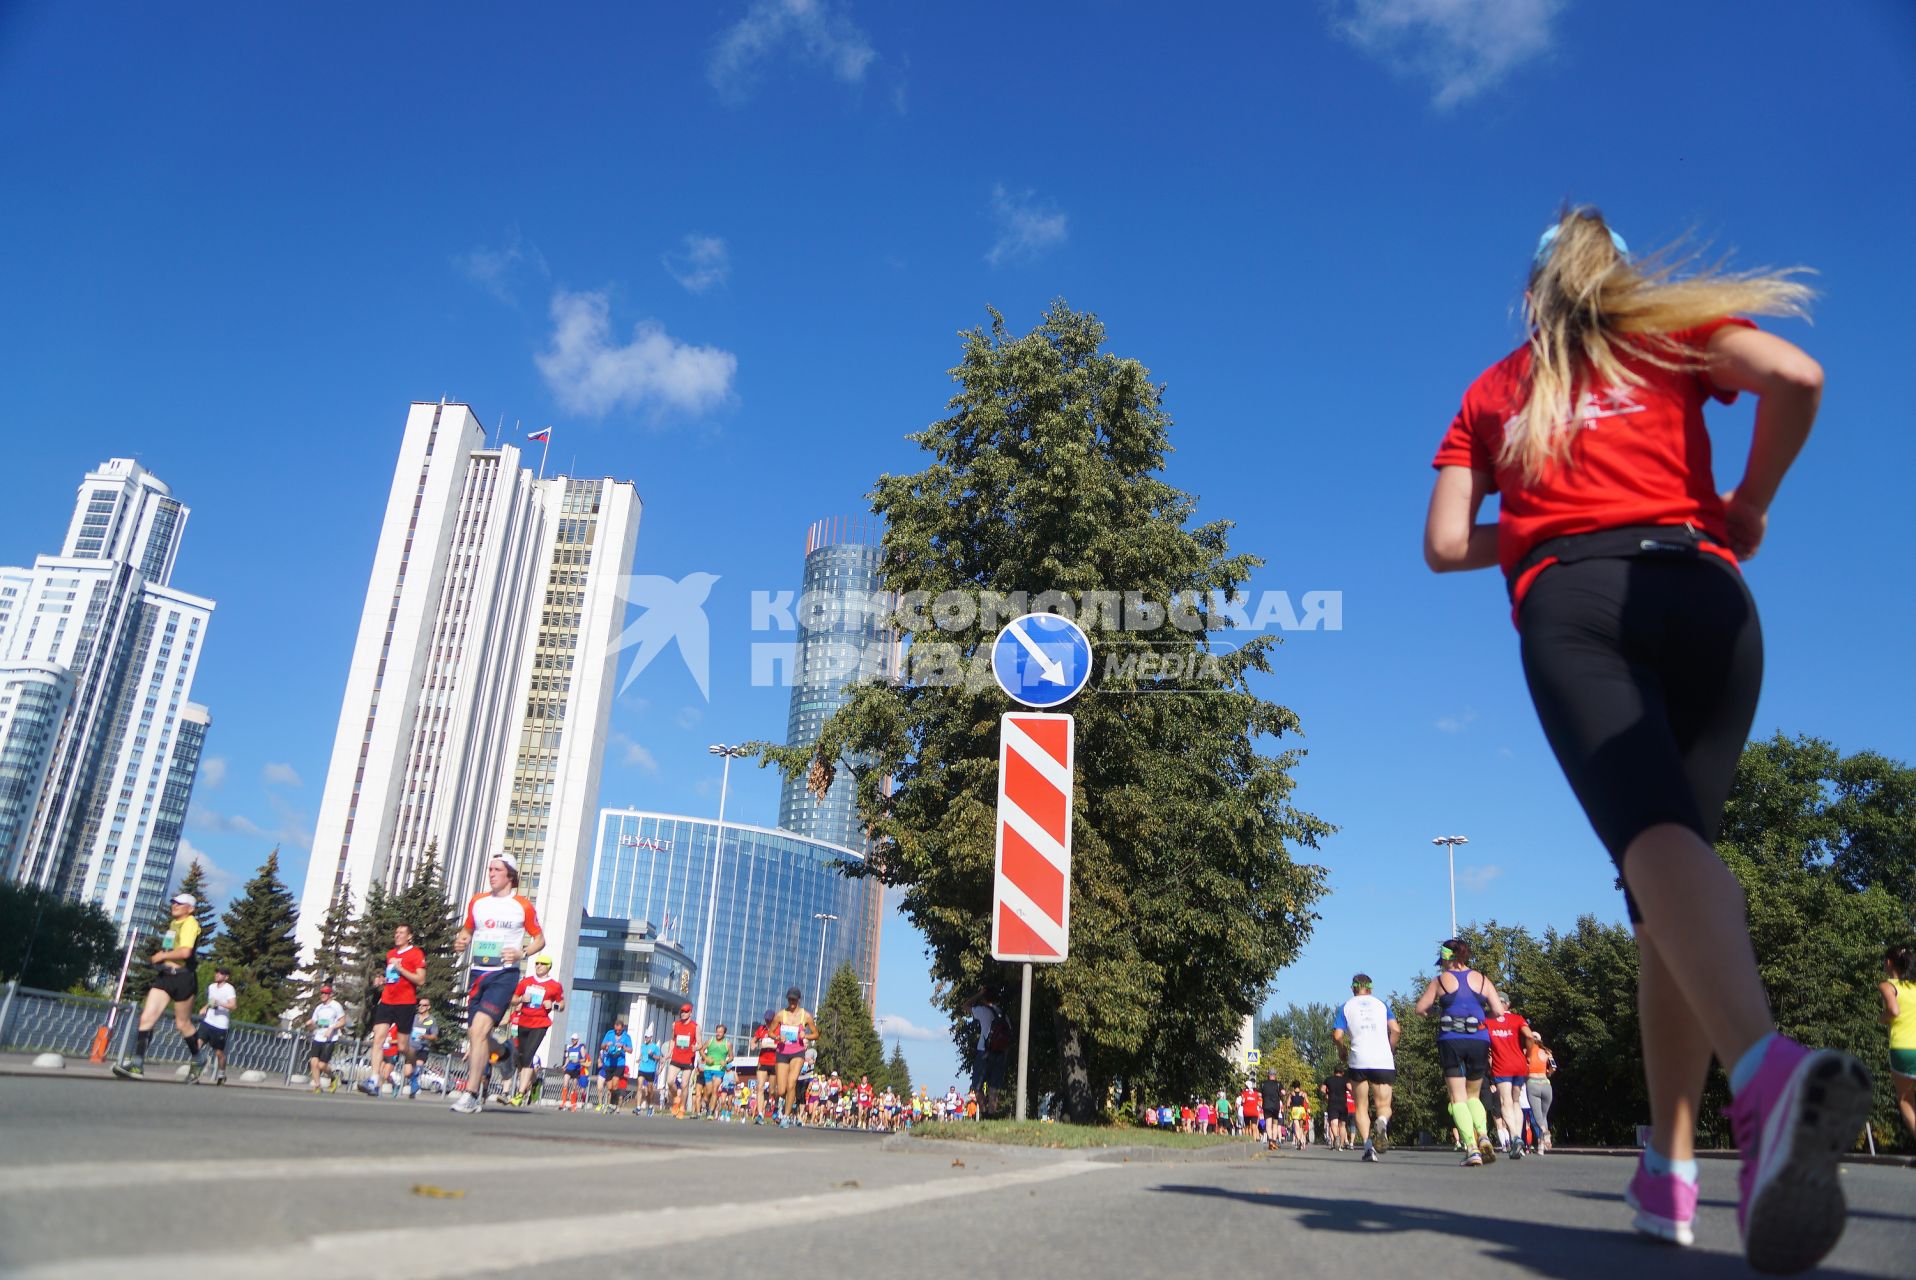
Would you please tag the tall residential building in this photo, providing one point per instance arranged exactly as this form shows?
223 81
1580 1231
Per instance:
99 745
480 691
842 640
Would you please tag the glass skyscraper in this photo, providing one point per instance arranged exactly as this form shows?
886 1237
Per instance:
842 640
773 889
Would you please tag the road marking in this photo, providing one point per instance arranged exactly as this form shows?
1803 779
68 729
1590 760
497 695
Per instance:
467 1249
24 1179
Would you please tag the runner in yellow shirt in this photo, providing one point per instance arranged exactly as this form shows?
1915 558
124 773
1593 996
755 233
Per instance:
176 978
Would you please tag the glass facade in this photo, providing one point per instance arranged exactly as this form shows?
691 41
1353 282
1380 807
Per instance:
840 641
624 970
773 886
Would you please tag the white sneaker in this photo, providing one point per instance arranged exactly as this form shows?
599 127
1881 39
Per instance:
466 1105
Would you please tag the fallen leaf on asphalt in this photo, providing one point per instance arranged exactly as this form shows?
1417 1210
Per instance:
957 1164
849 1182
436 1193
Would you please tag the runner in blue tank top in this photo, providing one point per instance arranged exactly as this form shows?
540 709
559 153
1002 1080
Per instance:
1463 999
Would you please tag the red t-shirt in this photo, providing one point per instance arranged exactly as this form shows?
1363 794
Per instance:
766 1057
1507 1041
1641 458
536 1010
685 1043
1253 1104
400 991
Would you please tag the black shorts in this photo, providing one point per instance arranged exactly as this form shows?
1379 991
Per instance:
1373 1075
399 1016
179 984
213 1037
420 1054
323 1049
1469 1059
530 1038
1645 675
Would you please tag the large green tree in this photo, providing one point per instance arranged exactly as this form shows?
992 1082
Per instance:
848 1041
1308 1027
54 943
258 945
898 1071
1042 489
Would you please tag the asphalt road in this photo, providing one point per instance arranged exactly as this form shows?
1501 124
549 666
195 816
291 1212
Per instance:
106 1178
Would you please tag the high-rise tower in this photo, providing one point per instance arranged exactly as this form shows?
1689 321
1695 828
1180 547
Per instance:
842 640
480 691
99 746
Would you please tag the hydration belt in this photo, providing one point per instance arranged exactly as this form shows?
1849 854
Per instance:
1628 542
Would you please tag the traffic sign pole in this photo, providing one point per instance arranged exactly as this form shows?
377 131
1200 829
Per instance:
1024 1039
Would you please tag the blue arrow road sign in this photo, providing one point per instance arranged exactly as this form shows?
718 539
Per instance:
1041 659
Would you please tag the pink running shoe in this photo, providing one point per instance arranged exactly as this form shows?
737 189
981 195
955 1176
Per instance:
1792 1124
1665 1205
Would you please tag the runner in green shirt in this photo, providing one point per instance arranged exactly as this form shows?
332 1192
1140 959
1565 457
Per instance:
717 1057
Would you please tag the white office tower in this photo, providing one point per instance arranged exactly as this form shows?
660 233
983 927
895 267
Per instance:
480 691
99 745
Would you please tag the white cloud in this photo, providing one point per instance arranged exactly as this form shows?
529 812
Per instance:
1026 228
220 882
1459 47
893 1027
699 262
293 827
212 771
633 753
1477 879
808 30
493 269
591 376
282 774
1456 723
688 717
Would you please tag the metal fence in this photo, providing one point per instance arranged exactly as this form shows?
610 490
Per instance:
33 1021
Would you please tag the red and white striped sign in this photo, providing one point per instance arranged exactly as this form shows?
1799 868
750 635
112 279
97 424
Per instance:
1031 893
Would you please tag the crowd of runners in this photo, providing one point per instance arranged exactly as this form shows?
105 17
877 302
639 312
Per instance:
1643 653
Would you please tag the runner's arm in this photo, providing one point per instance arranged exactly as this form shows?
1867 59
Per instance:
1892 1010
415 976
1788 385
1453 539
1429 998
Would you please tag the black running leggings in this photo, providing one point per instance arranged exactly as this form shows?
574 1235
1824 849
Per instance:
1645 674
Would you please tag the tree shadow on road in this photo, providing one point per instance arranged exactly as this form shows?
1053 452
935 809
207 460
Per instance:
1542 1248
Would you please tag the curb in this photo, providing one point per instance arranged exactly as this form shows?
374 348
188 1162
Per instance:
1221 1153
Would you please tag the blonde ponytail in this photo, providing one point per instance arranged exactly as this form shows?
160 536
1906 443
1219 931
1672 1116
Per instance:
1585 295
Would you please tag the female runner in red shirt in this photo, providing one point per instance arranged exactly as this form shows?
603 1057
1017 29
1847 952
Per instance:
1644 658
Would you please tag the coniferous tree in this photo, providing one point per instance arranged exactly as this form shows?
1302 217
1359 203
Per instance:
332 955
358 984
140 976
259 945
435 923
848 1042
898 1072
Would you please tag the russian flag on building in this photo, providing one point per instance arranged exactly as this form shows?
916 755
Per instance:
544 433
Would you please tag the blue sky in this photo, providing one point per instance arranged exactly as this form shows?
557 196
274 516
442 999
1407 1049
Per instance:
725 251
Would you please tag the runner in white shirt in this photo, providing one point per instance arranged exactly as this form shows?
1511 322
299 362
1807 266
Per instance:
217 1018
501 927
328 1019
1366 1033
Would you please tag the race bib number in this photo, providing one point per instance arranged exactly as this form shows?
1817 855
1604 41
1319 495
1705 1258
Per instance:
683 1042
788 1033
392 973
535 997
171 941
324 1021
488 950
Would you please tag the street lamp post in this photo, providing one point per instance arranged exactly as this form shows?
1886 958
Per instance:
718 847
818 982
1451 843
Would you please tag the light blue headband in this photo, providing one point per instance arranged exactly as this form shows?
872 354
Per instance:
1549 240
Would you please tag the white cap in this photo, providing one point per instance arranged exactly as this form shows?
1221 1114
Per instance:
505 858
186 900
